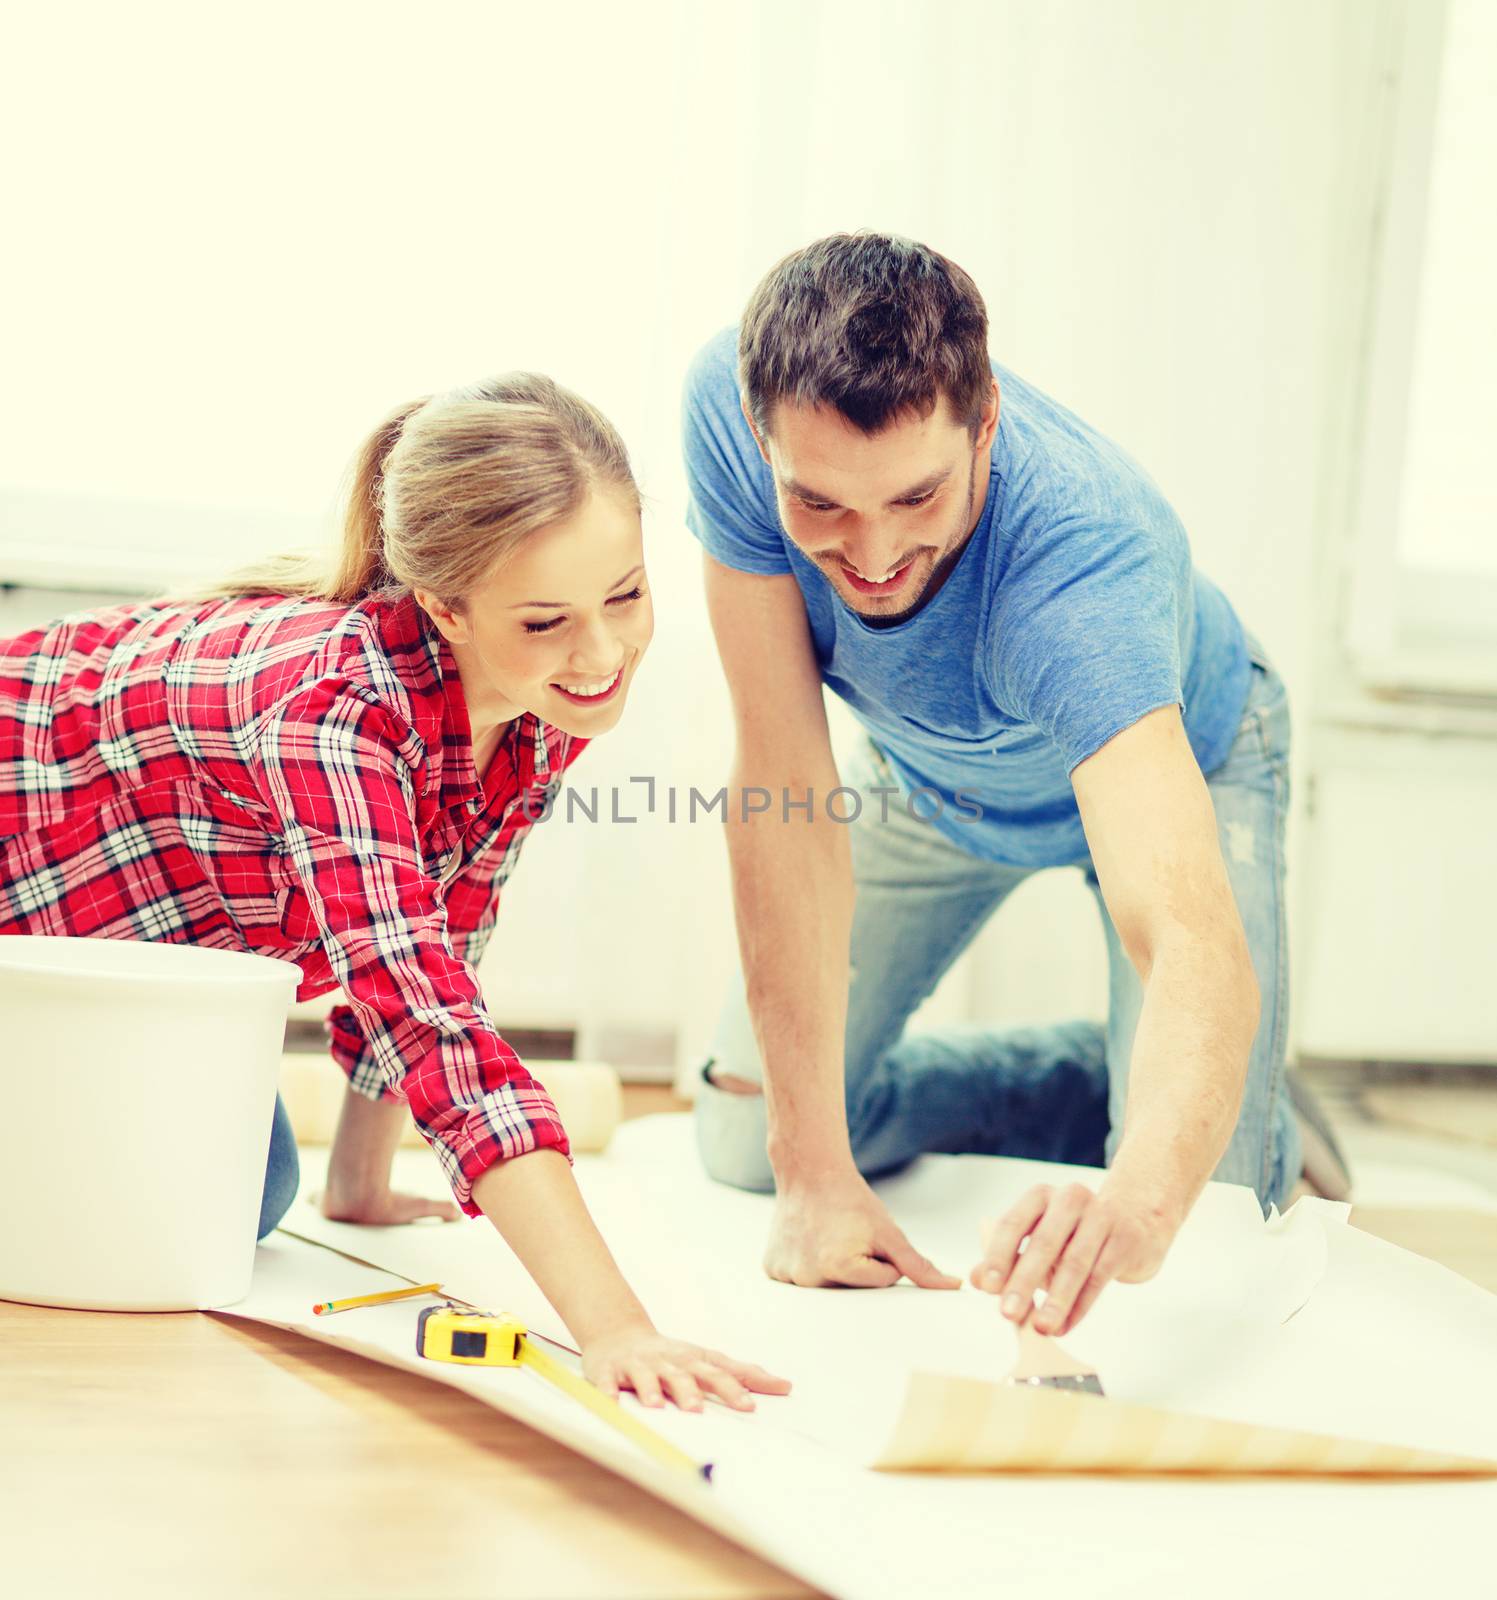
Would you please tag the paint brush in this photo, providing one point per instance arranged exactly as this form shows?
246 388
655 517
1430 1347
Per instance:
1042 1364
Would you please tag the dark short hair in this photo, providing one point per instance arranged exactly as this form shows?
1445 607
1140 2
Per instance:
871 324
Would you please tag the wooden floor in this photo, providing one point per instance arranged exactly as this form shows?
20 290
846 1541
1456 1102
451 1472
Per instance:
197 1456
1466 1113
192 1455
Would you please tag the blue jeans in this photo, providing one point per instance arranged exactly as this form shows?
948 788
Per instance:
282 1171
1049 1093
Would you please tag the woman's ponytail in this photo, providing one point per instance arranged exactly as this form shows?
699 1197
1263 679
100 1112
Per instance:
360 569
447 488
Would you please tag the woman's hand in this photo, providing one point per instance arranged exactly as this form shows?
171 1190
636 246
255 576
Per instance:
383 1208
534 1202
358 1170
657 1368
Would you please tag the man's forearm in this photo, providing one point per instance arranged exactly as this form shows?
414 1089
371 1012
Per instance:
792 897
1189 1064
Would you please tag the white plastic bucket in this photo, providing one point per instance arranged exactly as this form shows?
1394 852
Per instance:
137 1086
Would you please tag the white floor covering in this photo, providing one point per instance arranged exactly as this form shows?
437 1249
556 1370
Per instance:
1389 1346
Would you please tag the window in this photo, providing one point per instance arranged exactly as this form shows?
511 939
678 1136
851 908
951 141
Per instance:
1423 611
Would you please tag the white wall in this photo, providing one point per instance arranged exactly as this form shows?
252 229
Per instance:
1398 949
1398 852
1169 208
239 260
1163 244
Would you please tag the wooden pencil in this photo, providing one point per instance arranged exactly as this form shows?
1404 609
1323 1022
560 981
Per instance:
329 1306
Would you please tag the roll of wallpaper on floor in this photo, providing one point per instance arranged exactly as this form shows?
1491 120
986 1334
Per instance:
589 1096
589 1099
138 1083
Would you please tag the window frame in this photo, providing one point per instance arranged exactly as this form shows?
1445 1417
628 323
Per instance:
1407 629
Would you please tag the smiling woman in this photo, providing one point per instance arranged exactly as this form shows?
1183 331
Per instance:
447 498
568 660
338 765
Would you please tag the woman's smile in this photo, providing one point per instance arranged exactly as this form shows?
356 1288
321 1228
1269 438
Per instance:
584 693
568 659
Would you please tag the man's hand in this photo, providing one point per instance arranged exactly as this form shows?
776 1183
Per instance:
838 1235
1078 1241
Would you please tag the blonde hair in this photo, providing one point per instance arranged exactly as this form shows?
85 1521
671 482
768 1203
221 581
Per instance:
447 488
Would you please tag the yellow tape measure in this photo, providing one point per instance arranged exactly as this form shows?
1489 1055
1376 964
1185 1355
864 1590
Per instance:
493 1339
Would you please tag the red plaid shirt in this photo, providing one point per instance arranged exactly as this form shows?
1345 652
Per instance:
295 779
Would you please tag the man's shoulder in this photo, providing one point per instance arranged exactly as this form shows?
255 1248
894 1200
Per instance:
713 372
719 444
1062 473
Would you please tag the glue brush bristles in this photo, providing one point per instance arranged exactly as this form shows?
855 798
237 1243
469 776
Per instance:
1043 1364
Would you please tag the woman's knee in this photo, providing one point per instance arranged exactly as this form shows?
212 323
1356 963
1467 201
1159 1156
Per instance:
282 1172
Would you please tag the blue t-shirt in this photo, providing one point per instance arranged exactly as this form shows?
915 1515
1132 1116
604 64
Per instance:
1072 611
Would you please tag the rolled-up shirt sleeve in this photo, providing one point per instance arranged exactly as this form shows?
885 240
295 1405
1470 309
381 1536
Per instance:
470 921
339 769
350 1050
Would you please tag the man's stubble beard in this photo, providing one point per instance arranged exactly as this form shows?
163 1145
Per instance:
939 573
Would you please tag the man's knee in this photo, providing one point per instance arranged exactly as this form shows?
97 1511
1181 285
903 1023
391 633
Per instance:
732 1131
1264 1158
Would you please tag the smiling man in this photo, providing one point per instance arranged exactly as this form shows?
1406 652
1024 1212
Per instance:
1007 604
